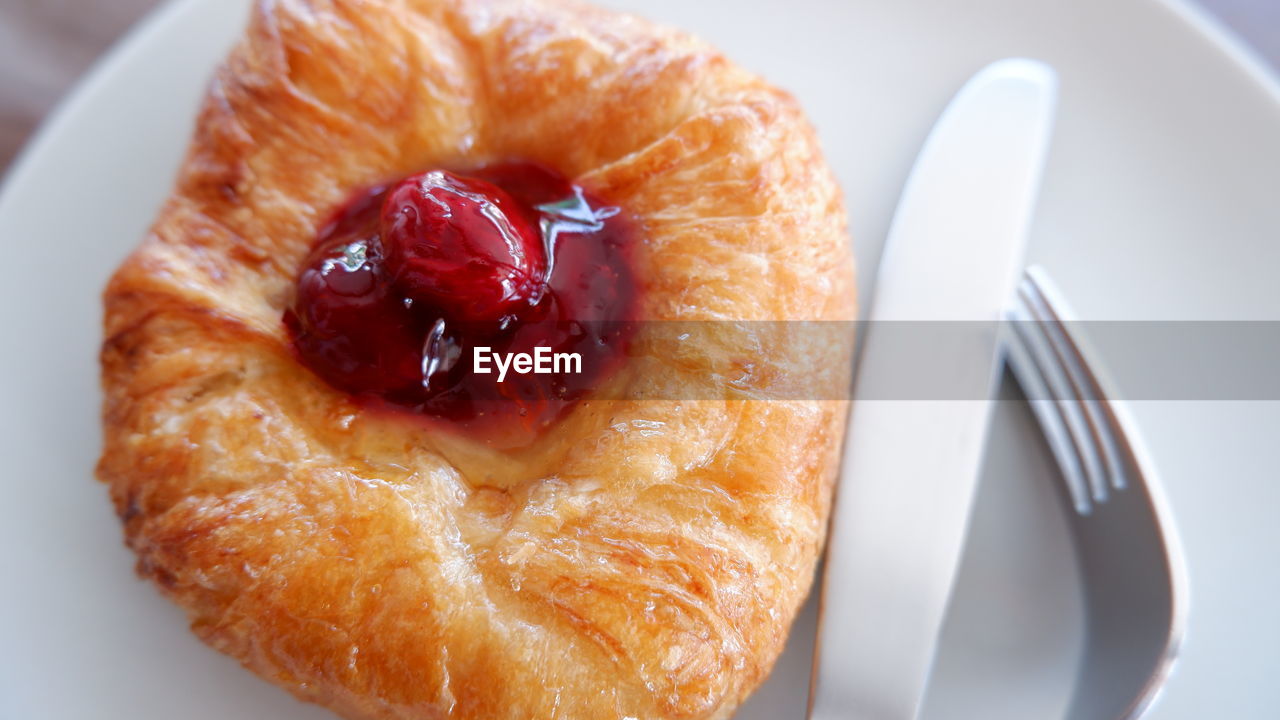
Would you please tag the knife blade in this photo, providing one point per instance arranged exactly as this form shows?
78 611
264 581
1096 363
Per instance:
911 466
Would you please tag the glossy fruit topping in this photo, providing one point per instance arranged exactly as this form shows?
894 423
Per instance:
409 285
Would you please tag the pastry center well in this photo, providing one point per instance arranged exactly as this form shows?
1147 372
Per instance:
427 294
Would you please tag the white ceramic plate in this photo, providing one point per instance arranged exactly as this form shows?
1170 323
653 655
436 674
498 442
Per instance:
1160 202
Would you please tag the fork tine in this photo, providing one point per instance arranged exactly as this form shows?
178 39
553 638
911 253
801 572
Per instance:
1048 412
1065 395
1041 298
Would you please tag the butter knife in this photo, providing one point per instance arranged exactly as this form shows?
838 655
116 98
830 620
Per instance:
911 463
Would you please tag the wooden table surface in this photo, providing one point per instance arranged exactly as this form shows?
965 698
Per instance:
46 44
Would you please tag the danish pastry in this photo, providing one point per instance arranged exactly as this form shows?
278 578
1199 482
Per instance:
304 456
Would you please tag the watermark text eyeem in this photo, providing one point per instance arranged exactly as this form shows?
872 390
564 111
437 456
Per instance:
542 361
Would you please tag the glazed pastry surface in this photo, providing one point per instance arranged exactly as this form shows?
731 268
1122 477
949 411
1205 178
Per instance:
642 558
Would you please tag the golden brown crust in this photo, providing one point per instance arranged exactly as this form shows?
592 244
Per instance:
643 559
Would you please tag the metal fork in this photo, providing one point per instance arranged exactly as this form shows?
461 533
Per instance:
1128 549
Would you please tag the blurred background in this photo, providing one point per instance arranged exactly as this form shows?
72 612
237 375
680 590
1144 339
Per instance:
46 44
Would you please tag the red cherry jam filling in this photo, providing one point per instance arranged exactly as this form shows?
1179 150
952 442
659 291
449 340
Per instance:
407 281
